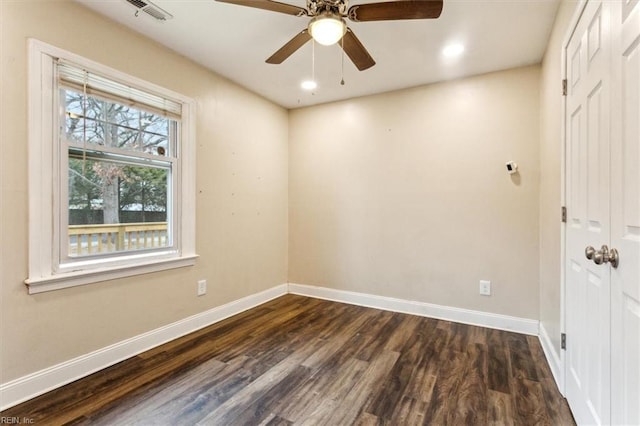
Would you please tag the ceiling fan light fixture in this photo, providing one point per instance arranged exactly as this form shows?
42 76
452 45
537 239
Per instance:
327 28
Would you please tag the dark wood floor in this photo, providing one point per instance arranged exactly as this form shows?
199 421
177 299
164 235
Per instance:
298 360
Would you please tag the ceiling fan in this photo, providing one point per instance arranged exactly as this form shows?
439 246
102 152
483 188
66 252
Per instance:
327 25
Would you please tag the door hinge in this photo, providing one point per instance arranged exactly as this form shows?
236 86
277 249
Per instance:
563 341
564 87
563 214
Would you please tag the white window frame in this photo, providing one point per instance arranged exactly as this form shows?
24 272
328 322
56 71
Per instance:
46 271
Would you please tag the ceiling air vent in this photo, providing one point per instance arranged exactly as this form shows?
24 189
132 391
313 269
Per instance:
150 9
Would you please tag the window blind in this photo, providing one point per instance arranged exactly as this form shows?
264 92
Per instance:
77 78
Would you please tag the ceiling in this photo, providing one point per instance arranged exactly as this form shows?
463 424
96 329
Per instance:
234 41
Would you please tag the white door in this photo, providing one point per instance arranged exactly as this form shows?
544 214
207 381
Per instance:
625 215
587 201
602 304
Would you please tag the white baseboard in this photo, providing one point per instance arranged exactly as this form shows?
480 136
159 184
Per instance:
553 358
465 316
32 385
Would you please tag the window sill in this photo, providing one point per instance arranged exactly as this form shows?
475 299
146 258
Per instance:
77 278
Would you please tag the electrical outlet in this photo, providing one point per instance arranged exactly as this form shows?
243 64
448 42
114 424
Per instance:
202 287
485 288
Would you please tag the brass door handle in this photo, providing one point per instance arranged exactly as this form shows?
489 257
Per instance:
589 252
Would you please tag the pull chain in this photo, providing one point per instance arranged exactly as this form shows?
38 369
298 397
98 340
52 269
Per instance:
342 80
313 62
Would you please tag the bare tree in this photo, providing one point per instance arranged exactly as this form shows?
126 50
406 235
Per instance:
94 121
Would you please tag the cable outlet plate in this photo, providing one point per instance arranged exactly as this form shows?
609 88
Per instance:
485 288
202 287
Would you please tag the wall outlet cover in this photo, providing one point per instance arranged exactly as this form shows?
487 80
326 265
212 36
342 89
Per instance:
485 288
202 287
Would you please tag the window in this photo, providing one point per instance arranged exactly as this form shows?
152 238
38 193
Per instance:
114 154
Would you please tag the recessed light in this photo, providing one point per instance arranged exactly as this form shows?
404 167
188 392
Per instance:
453 50
309 85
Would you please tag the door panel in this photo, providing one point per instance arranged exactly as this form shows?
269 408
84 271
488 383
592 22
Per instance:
625 215
602 304
588 223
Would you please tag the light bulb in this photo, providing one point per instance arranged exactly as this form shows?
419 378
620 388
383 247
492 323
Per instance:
327 29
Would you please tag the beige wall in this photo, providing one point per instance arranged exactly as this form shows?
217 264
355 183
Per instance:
406 194
550 174
241 196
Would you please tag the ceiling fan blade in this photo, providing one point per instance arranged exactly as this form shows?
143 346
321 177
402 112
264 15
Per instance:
395 10
356 51
273 6
292 45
